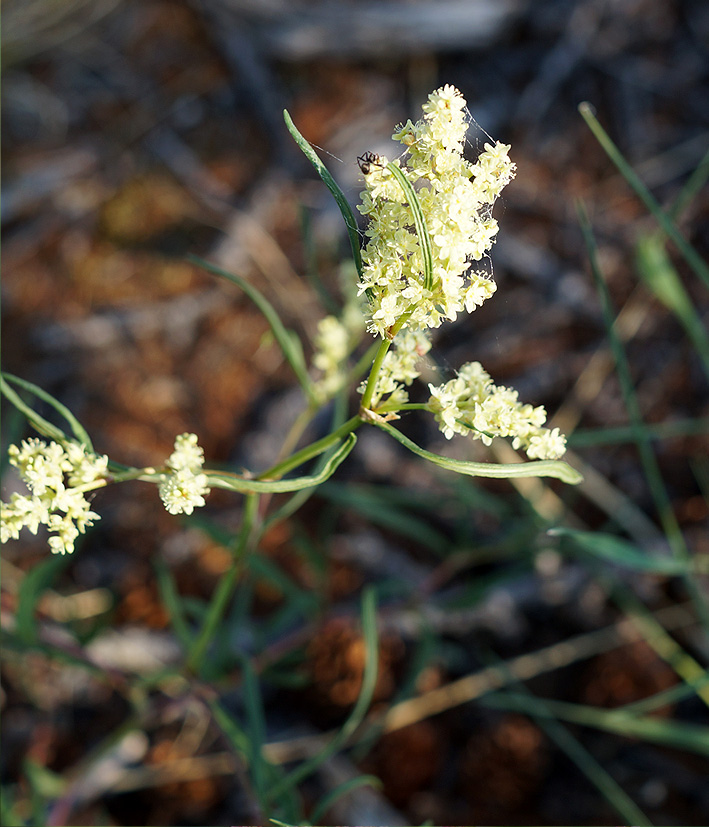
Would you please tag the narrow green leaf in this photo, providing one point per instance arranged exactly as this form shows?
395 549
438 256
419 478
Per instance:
667 697
255 730
373 502
369 680
312 272
657 271
650 465
623 553
173 603
339 792
691 188
231 728
39 423
677 734
688 252
587 438
537 468
264 568
234 483
331 184
419 222
287 340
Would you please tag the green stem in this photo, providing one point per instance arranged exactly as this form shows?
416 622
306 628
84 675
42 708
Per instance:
296 431
227 584
384 346
310 451
386 407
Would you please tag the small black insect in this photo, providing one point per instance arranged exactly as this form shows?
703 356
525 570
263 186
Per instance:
366 160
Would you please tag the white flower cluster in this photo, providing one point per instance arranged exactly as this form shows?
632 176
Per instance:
399 367
334 341
59 477
456 199
183 487
472 404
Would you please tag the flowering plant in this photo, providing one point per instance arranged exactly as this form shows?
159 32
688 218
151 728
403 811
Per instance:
429 221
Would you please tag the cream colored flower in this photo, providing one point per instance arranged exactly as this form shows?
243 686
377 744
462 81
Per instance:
183 487
334 342
456 199
59 477
471 404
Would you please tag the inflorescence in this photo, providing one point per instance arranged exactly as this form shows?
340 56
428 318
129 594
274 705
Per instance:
417 272
58 477
456 199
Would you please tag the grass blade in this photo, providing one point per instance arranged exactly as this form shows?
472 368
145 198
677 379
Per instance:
172 602
341 790
623 553
688 252
77 428
658 273
256 731
39 423
287 340
369 680
642 440
35 582
587 438
372 502
668 733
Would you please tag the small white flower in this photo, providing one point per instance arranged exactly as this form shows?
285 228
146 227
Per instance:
334 341
187 454
547 445
456 198
183 487
58 477
183 491
471 404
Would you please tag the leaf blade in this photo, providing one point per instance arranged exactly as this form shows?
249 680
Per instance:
232 482
536 468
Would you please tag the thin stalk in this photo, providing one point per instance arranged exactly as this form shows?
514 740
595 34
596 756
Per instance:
694 184
310 451
296 431
227 584
384 346
406 406
690 255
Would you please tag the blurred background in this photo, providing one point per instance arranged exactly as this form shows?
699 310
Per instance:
138 133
